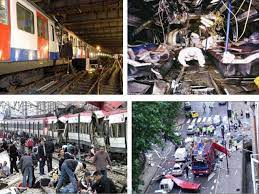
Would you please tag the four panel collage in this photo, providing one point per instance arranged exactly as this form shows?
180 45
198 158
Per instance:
131 97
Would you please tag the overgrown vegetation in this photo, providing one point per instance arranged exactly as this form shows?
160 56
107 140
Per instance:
150 121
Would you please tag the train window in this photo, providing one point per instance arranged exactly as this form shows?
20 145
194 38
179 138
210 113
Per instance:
117 130
25 19
53 33
3 12
84 128
74 42
72 127
122 130
88 128
42 28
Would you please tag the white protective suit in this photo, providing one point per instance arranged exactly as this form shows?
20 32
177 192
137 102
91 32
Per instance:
189 54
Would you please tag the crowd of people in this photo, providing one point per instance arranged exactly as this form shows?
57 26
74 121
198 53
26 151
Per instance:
26 153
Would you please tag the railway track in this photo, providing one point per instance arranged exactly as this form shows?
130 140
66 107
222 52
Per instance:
107 81
111 81
57 81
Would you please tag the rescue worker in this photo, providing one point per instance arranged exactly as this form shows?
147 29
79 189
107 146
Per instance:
204 129
235 144
211 130
26 165
230 142
103 184
63 156
208 130
235 115
50 148
204 107
70 168
211 108
198 131
42 155
85 183
13 154
187 171
239 123
235 126
231 125
101 160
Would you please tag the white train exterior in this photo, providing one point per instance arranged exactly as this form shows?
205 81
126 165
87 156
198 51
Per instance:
113 128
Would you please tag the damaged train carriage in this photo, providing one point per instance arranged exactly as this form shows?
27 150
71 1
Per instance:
193 46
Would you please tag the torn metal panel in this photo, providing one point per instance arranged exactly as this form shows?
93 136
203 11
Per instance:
136 69
137 88
160 87
238 67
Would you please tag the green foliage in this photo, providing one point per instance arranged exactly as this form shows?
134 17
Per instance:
150 120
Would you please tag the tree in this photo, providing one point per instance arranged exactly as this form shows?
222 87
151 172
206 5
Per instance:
150 121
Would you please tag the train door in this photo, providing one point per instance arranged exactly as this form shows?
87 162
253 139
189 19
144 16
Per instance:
53 42
43 37
5 30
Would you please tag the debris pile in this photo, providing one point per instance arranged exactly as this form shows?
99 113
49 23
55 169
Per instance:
182 39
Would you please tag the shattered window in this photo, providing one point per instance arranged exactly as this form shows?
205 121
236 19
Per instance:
3 12
25 19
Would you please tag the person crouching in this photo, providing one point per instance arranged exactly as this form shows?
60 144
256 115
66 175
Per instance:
85 183
70 168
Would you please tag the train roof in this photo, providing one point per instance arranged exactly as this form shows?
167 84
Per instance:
84 116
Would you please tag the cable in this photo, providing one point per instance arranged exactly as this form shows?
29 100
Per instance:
161 8
249 8
240 7
234 17
228 26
